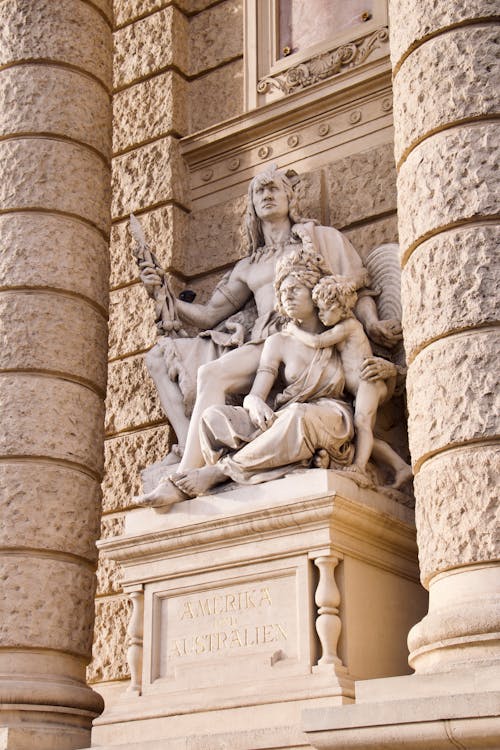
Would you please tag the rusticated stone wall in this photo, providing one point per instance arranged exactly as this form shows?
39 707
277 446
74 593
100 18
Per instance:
55 138
179 68
445 56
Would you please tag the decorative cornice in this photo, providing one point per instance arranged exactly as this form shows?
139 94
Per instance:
350 524
325 65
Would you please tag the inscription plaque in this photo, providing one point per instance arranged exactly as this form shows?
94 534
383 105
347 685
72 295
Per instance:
229 620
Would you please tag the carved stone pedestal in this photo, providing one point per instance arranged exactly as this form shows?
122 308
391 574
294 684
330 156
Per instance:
253 604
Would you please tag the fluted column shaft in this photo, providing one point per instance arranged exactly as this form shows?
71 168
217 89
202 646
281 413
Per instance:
446 142
55 127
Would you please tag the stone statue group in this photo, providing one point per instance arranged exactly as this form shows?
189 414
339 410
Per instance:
284 378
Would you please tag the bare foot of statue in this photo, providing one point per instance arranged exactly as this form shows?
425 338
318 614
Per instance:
198 481
163 495
359 474
402 476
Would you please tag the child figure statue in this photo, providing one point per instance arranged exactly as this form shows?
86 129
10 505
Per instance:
335 299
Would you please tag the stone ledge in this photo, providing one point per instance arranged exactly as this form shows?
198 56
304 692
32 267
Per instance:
304 499
411 712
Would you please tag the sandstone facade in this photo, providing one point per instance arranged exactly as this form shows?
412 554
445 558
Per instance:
54 200
184 146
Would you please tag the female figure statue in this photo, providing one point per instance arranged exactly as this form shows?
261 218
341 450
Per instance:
308 414
193 374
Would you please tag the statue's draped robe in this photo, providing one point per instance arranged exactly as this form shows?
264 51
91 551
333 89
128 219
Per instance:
183 356
310 417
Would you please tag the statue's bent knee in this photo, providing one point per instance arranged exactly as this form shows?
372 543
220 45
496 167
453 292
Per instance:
211 374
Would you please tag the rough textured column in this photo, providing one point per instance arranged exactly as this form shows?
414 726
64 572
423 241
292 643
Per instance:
445 59
55 73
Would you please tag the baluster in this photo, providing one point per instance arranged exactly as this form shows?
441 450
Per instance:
135 632
327 598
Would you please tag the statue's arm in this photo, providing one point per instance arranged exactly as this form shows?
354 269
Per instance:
384 332
330 337
228 298
261 415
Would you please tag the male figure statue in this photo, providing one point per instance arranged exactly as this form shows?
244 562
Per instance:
274 230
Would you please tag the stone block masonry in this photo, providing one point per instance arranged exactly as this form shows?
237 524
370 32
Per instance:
55 134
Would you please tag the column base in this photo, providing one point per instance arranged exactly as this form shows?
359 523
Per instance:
44 701
462 627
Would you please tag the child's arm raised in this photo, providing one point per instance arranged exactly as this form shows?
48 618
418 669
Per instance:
330 337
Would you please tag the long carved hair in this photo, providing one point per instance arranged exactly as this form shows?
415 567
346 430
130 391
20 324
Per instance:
255 235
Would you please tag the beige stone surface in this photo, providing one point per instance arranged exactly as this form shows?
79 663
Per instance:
216 96
150 109
464 156
446 282
312 199
55 333
64 32
361 185
165 229
452 392
49 507
35 595
216 236
31 97
52 417
147 176
196 6
110 649
215 36
128 10
106 6
112 525
33 236
131 400
469 516
369 236
445 80
55 175
109 577
131 321
422 19
125 456
150 45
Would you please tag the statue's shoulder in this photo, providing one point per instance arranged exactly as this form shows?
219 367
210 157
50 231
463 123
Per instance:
317 231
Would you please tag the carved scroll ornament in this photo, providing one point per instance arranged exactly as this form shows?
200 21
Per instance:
325 65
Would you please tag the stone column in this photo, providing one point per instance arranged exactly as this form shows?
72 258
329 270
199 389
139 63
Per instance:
55 122
446 144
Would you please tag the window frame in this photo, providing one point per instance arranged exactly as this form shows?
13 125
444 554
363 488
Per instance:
262 59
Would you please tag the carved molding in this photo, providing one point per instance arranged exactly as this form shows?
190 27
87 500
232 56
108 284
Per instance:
325 65
302 137
320 511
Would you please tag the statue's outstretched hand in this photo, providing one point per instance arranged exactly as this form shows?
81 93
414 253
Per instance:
377 368
261 415
386 332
